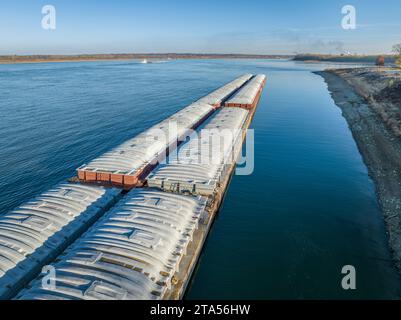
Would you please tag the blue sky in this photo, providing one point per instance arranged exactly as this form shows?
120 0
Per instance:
253 26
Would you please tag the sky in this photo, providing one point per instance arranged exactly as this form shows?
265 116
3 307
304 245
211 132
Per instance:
199 26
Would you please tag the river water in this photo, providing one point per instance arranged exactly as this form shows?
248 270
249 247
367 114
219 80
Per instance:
285 231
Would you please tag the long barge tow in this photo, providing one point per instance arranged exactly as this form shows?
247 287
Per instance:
188 264
130 225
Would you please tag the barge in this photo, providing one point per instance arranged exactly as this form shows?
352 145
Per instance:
248 96
134 159
33 234
217 97
132 252
196 168
188 263
138 244
128 165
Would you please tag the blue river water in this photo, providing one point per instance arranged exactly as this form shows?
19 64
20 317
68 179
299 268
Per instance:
284 232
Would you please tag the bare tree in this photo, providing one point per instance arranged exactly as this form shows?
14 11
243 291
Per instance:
397 50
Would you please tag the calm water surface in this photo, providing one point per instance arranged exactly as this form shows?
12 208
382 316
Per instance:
285 231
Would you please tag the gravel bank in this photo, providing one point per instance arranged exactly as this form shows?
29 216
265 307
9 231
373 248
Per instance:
367 104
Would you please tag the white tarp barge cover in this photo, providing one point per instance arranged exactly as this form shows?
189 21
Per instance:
144 148
199 164
38 230
216 97
131 253
247 94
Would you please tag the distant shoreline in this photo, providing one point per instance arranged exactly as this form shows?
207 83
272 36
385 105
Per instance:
14 59
307 58
61 60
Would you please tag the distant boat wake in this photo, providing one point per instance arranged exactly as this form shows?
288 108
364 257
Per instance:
146 61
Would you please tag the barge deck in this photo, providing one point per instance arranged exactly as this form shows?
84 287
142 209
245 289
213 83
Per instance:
194 249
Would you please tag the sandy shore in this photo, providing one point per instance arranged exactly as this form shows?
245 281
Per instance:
378 143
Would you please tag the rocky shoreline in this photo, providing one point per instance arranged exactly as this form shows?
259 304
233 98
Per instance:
371 108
